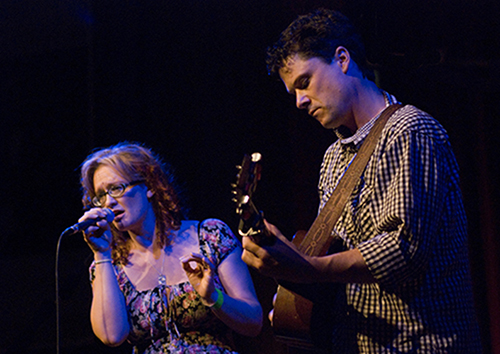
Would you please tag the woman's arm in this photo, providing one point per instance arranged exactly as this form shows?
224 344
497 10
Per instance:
240 308
108 313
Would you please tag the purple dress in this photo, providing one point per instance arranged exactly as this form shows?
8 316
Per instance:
171 318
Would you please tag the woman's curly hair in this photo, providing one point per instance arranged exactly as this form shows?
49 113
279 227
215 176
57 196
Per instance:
134 162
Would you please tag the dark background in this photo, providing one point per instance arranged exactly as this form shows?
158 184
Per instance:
188 79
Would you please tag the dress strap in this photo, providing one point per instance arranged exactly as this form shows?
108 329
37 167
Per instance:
199 226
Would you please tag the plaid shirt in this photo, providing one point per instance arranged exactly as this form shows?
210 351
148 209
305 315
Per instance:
407 219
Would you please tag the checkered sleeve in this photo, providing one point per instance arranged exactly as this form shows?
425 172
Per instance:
411 176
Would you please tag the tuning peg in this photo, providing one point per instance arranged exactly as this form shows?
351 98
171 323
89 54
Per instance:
256 156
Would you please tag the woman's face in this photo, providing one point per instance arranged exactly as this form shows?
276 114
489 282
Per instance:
133 210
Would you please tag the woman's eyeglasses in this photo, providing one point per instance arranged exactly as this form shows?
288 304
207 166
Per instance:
113 191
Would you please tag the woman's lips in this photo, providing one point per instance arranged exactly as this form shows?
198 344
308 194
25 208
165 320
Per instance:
118 215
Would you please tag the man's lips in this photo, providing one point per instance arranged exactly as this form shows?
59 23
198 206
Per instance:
313 111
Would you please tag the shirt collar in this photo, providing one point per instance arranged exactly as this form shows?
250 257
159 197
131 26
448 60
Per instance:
347 138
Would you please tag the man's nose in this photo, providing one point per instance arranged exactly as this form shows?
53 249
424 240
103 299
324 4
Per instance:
302 101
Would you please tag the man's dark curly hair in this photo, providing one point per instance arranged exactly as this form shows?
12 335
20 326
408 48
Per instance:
318 34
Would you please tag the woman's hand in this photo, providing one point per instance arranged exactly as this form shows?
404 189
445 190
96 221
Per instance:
200 276
98 236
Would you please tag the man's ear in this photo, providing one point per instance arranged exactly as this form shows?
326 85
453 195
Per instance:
343 58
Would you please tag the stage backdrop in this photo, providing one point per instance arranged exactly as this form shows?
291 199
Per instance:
188 79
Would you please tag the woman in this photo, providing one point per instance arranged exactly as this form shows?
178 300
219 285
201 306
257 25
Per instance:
165 284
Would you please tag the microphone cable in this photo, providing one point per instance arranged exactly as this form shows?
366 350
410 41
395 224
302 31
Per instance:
58 332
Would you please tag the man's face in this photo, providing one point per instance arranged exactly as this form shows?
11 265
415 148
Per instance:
320 88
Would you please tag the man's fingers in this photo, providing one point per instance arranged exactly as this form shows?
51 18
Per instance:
270 316
263 265
249 245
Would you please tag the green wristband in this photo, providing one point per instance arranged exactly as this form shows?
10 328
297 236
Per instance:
220 300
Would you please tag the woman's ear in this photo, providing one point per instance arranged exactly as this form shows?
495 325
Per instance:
149 193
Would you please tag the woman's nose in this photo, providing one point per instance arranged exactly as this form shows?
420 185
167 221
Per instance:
110 201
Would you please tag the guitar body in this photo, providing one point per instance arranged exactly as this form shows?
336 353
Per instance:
292 313
292 318
302 323
305 320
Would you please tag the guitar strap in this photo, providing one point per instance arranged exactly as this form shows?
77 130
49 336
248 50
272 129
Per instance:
318 239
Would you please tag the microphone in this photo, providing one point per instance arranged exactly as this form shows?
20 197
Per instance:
89 222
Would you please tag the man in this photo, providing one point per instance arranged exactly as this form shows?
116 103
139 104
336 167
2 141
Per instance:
405 265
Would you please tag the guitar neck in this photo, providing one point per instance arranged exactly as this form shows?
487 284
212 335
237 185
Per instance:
251 221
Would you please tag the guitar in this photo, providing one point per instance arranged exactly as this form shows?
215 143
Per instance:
251 220
303 321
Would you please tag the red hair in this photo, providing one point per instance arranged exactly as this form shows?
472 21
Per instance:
136 162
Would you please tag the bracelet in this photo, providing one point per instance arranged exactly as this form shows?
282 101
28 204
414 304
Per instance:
220 300
102 261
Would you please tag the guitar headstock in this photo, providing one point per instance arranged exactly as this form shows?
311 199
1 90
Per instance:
251 220
249 173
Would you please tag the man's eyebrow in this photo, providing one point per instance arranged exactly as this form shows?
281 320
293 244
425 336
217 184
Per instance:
299 78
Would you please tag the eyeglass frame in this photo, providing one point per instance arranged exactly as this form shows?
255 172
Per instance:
96 200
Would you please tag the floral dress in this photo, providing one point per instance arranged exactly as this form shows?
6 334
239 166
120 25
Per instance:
171 318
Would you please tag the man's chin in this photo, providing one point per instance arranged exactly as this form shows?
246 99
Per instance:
327 124
325 121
